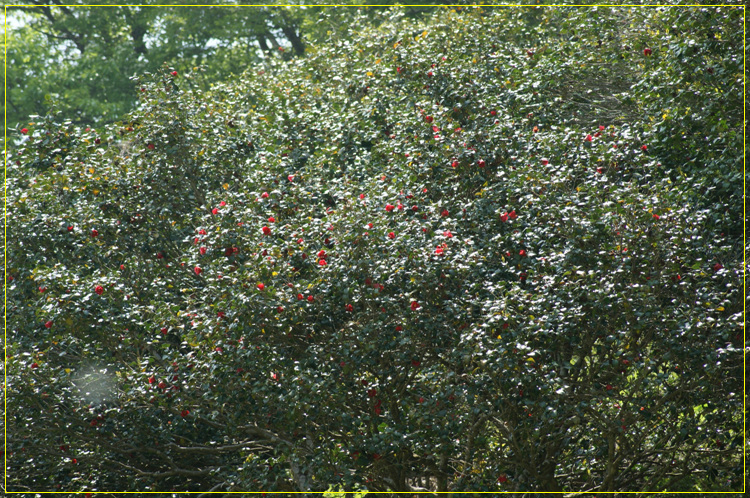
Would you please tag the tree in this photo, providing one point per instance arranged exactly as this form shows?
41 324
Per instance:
83 56
413 260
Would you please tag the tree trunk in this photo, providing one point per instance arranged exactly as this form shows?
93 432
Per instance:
292 35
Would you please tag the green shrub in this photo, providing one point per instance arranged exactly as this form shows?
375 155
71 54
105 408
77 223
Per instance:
455 255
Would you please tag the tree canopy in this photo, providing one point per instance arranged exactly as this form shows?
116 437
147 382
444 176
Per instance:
475 250
79 59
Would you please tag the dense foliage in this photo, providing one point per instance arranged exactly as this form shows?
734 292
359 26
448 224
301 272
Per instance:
79 59
494 250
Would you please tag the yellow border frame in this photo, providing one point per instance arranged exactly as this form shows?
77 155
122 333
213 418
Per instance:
259 493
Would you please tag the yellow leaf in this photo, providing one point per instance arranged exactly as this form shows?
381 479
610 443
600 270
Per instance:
67 370
377 61
720 308
274 274
91 170
369 73
530 359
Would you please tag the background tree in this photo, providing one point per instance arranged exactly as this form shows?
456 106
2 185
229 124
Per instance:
444 254
81 58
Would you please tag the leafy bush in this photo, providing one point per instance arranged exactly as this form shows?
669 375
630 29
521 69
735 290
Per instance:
432 257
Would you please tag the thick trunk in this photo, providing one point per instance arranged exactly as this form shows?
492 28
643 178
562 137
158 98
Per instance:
137 33
296 41
442 478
